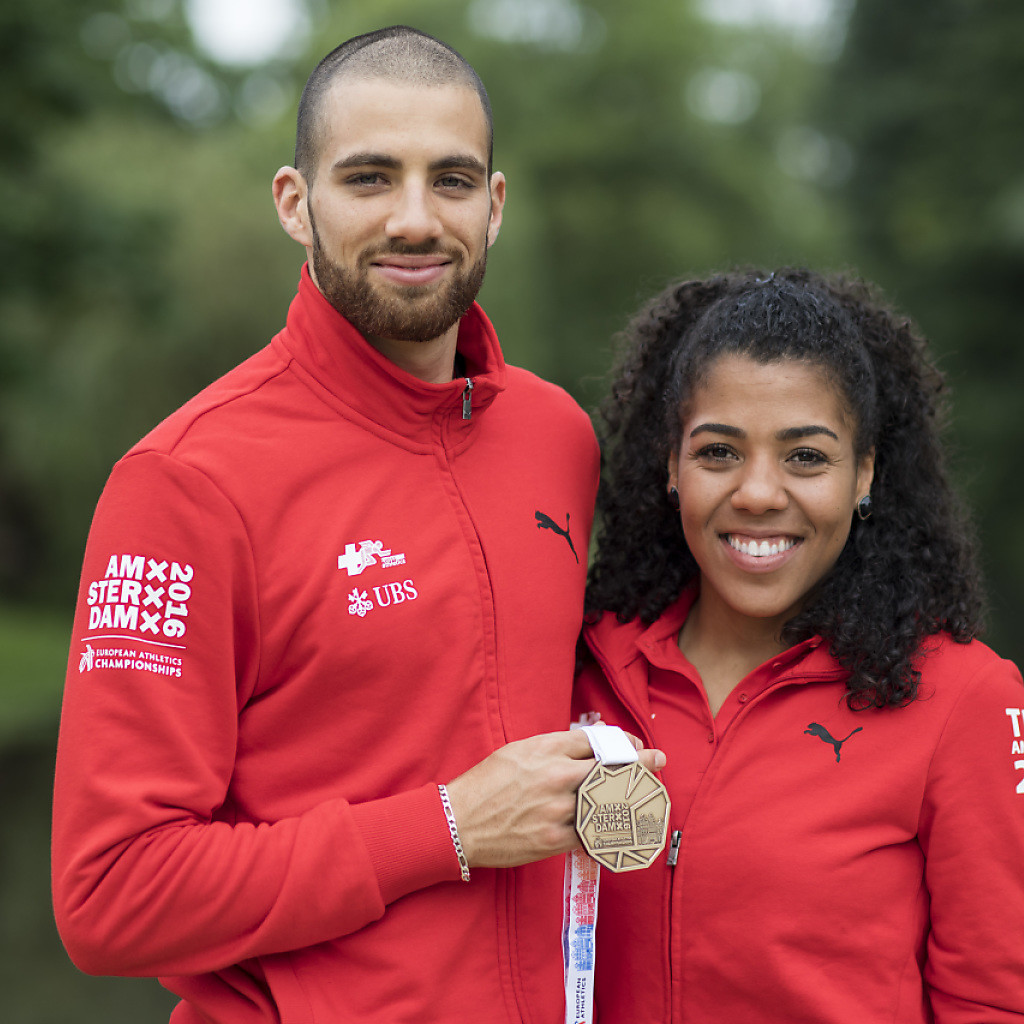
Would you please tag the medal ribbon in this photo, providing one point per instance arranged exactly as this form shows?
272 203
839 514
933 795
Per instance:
579 895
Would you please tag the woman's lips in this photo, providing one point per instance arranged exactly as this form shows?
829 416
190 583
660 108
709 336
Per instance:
760 554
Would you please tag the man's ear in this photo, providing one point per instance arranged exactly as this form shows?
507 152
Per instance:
497 205
291 198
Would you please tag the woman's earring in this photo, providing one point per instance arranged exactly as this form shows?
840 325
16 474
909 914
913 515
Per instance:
864 507
673 498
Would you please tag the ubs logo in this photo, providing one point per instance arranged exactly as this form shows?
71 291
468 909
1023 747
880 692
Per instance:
387 595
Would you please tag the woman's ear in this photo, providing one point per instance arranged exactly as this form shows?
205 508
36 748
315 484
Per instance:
673 470
865 473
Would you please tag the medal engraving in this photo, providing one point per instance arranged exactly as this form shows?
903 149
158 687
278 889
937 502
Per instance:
622 816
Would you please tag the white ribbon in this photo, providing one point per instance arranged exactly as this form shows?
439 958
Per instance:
582 883
610 744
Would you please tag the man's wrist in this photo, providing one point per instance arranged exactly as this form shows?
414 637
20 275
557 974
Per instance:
454 830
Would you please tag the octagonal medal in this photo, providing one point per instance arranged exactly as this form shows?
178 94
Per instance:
622 816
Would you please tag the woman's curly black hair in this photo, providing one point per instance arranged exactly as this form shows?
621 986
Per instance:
905 574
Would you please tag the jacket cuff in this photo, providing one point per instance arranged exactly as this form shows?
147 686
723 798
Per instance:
408 841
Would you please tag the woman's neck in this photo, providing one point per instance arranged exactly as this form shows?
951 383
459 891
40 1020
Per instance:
725 648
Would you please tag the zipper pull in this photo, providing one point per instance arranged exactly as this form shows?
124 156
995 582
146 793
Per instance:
673 849
467 398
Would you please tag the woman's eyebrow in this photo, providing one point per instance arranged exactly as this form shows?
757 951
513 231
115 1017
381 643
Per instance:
717 428
789 434
795 433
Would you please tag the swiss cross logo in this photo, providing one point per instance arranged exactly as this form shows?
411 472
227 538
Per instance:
369 552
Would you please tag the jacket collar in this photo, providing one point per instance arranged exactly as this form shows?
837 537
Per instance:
622 649
349 373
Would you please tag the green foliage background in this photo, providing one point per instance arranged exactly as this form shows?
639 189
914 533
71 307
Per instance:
141 258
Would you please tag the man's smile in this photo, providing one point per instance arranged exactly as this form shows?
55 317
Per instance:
412 270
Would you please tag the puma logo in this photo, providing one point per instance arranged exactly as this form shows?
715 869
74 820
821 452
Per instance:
545 522
814 729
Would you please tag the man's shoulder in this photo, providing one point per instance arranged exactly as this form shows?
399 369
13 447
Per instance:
227 401
525 386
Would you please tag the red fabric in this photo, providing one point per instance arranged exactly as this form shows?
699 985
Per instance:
246 803
882 886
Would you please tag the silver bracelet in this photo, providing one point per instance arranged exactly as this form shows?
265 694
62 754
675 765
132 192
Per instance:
456 842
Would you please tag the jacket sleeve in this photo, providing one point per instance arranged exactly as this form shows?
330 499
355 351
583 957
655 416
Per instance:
151 874
972 834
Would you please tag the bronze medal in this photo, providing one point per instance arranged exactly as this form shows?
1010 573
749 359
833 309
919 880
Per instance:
622 816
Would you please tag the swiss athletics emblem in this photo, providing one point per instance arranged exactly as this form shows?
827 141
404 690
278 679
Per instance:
369 552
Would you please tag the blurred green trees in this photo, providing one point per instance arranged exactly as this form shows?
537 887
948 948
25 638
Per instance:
141 255
930 97
129 277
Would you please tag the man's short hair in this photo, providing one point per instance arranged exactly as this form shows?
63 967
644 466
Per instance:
398 53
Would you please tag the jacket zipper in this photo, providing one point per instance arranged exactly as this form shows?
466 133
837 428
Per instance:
504 891
673 849
671 860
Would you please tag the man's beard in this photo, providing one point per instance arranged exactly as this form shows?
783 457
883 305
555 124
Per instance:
418 316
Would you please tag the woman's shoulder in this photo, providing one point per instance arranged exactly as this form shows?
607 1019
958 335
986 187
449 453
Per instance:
954 668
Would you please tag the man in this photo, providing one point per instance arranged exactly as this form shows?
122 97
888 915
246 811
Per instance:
343 576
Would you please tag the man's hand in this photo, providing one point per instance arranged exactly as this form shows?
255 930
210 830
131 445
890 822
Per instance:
519 804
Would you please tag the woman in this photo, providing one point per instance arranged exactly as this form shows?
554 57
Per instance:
785 601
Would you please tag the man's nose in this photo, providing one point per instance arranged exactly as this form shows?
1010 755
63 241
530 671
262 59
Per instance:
414 216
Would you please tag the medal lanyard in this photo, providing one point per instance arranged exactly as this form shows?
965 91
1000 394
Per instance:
582 882
579 919
622 814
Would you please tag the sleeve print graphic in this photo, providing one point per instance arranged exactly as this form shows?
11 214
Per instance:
143 600
1015 714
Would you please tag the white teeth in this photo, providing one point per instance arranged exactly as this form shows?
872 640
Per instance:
760 550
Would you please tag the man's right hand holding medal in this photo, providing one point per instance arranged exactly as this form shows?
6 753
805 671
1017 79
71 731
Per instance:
519 804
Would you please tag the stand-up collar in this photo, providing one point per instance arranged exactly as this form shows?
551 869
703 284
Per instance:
337 360
619 646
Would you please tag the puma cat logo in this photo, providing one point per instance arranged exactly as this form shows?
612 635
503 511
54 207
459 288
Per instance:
545 522
814 729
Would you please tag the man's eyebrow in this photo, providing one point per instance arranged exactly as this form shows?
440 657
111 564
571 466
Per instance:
455 161
365 160
458 161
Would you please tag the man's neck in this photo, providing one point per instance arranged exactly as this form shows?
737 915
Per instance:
430 361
